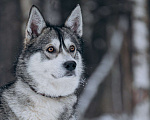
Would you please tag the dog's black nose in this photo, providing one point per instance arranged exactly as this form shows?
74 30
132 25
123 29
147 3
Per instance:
70 65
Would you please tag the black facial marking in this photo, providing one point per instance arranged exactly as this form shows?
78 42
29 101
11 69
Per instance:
60 37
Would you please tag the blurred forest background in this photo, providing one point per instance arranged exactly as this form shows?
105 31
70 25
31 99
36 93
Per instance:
116 52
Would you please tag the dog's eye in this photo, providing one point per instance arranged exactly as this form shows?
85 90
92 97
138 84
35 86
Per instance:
51 49
72 48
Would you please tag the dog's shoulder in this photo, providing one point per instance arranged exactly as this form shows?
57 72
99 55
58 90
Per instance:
7 86
5 111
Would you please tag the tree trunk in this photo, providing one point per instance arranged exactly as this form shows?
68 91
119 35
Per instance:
10 38
141 83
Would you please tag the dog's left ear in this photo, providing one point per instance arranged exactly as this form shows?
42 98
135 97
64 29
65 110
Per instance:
35 25
74 21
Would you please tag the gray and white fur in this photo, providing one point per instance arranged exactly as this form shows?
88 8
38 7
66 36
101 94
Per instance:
48 72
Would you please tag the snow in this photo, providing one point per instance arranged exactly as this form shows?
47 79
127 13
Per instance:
140 35
141 111
141 74
115 117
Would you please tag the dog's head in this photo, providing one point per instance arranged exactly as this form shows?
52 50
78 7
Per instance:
51 55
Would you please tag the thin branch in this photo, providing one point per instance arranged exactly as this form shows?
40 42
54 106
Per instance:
103 69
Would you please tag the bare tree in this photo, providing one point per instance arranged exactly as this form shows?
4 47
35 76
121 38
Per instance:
141 83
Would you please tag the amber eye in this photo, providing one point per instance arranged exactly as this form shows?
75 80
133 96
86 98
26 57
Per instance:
50 49
72 48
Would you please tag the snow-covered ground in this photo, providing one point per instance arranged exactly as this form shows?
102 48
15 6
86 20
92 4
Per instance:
141 112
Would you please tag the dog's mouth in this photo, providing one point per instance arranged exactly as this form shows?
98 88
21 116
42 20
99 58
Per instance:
67 74
70 74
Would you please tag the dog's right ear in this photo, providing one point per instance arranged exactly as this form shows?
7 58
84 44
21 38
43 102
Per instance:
74 21
35 24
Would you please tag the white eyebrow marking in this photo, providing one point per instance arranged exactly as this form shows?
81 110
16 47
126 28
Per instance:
68 42
55 42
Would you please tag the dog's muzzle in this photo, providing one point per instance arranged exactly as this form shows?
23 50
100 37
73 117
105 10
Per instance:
70 67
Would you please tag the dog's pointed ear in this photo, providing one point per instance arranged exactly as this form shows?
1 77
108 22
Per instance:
74 21
35 24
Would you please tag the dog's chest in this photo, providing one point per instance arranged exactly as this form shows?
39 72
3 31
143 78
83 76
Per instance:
47 109
51 109
43 108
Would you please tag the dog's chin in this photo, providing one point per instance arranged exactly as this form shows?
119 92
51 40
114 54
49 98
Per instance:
67 74
70 74
62 86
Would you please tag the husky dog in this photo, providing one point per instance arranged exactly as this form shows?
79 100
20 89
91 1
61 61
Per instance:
48 72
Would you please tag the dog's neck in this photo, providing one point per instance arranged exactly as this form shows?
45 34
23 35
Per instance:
41 94
44 95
